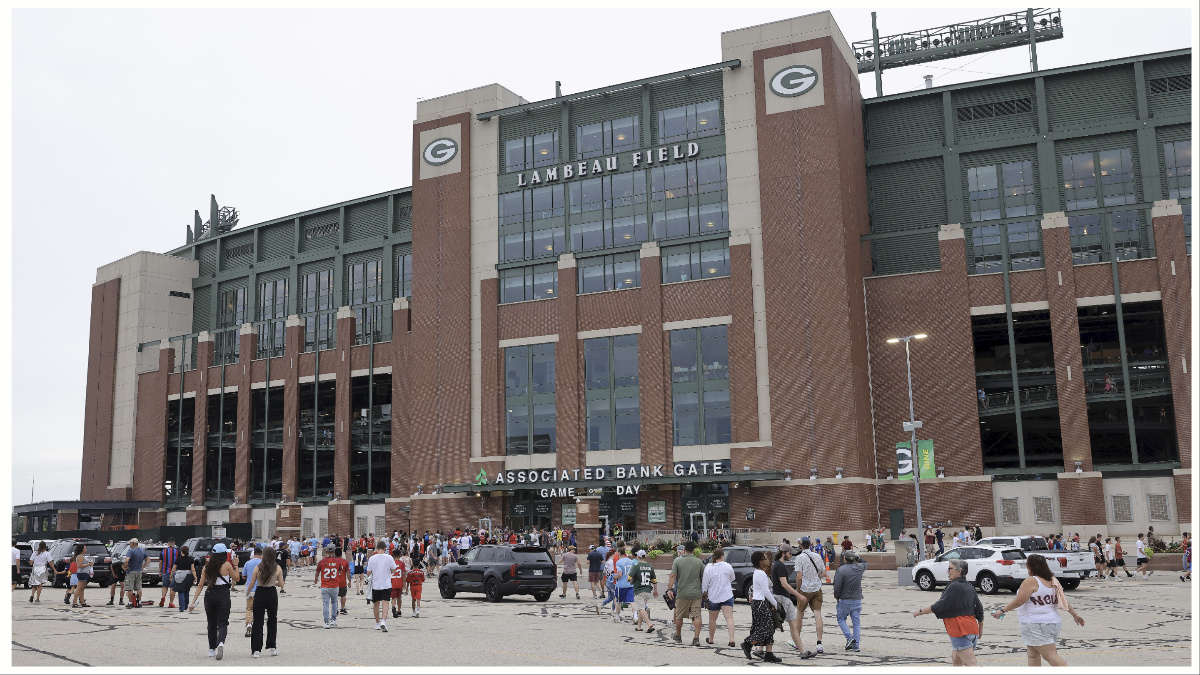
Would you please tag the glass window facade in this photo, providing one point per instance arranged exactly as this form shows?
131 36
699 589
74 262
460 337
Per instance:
700 386
609 272
533 282
606 138
272 316
610 367
531 152
231 315
266 445
404 275
529 418
1118 234
177 472
689 262
315 451
221 448
318 310
1177 158
687 122
371 436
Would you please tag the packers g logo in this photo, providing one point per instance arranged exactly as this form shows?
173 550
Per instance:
793 81
440 151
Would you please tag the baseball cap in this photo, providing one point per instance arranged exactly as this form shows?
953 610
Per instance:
786 548
591 547
330 547
680 547
220 548
641 554
133 542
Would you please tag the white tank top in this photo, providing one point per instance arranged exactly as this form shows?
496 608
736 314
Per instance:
1042 606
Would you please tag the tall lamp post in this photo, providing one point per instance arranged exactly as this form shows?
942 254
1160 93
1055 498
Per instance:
911 426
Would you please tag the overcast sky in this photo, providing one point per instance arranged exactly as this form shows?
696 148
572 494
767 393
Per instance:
125 121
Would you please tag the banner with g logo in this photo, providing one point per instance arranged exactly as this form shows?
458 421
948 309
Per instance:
793 81
440 151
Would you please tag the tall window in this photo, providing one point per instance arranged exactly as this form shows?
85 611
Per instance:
606 138
531 152
1024 247
221 449
371 436
534 282
272 316
610 367
266 444
687 122
700 385
319 310
529 416
986 199
1101 237
316 451
231 317
404 275
1177 156
689 262
609 272
365 287
177 471
531 223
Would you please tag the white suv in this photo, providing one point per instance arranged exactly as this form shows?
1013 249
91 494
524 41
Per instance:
988 568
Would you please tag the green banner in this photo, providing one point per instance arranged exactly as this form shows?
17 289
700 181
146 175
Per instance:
904 460
656 512
568 514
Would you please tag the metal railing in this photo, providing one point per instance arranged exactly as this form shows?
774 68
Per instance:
1002 400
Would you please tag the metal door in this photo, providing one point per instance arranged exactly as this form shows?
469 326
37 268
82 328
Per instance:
896 522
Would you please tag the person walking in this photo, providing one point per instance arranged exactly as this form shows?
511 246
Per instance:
403 562
624 560
961 611
415 579
847 590
256 558
1037 603
1186 546
135 560
645 585
216 580
183 577
380 567
359 569
166 563
716 588
570 573
808 575
609 570
268 581
117 587
330 577
83 574
282 558
595 560
1119 558
930 540
1094 546
762 609
688 571
42 568
788 597
1143 558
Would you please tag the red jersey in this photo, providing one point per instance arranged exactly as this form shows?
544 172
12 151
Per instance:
398 574
416 577
332 571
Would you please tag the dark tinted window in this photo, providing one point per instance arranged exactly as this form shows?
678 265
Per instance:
486 554
1014 555
737 557
531 556
97 549
1033 543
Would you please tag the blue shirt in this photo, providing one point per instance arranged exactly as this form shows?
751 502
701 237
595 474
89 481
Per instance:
250 565
603 551
294 547
327 541
137 558
623 566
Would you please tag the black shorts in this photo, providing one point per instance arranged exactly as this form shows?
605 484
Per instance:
1143 561
1098 559
342 592
1119 562
1112 564
16 574
381 594
570 577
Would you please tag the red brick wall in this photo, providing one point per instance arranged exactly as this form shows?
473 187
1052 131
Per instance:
150 435
654 367
98 399
697 299
1093 280
568 374
342 412
524 319
986 289
401 404
1064 334
743 376
1177 320
609 309
1183 500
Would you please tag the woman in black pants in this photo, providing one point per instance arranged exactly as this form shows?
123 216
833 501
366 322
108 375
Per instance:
218 577
269 576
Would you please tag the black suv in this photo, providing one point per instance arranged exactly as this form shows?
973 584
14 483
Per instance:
63 552
738 558
500 570
201 547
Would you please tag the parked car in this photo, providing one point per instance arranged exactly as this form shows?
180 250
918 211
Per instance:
1069 566
24 566
988 568
738 558
500 570
152 570
63 550
200 548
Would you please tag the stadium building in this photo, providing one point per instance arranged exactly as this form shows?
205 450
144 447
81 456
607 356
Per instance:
666 304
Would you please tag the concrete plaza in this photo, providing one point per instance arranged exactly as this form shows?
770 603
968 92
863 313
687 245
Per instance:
1136 624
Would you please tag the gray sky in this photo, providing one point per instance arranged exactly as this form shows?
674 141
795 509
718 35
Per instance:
124 121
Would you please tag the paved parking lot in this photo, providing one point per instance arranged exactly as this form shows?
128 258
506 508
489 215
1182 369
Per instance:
1143 625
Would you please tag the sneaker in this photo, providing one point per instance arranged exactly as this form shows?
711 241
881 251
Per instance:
416 613
212 653
249 627
162 601
807 655
855 647
771 658
110 600
274 651
695 642
343 611
333 624
849 643
1180 578
792 644
255 655
171 606
1128 573
1118 578
383 627
377 626
326 625
746 650
678 640
1149 574
820 649
122 600
220 651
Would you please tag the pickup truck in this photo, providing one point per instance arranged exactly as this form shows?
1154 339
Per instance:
1070 567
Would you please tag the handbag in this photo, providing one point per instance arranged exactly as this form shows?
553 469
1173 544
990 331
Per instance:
181 577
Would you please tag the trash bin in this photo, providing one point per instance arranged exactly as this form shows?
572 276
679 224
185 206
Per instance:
906 552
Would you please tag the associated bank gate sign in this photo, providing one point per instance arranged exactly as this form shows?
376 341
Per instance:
550 482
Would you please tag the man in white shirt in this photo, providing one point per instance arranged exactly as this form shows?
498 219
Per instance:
809 568
1143 560
380 567
16 558
464 543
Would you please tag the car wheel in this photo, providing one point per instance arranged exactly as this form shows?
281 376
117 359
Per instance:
1070 584
446 587
541 597
987 584
491 590
925 582
748 589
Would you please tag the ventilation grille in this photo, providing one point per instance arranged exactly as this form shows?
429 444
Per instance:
1166 85
364 221
986 111
277 241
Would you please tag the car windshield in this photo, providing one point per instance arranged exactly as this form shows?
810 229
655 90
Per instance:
531 556
1033 544
1014 555
97 549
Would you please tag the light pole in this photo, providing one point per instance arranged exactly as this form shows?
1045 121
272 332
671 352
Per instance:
911 426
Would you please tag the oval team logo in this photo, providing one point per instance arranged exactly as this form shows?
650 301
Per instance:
440 151
793 81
